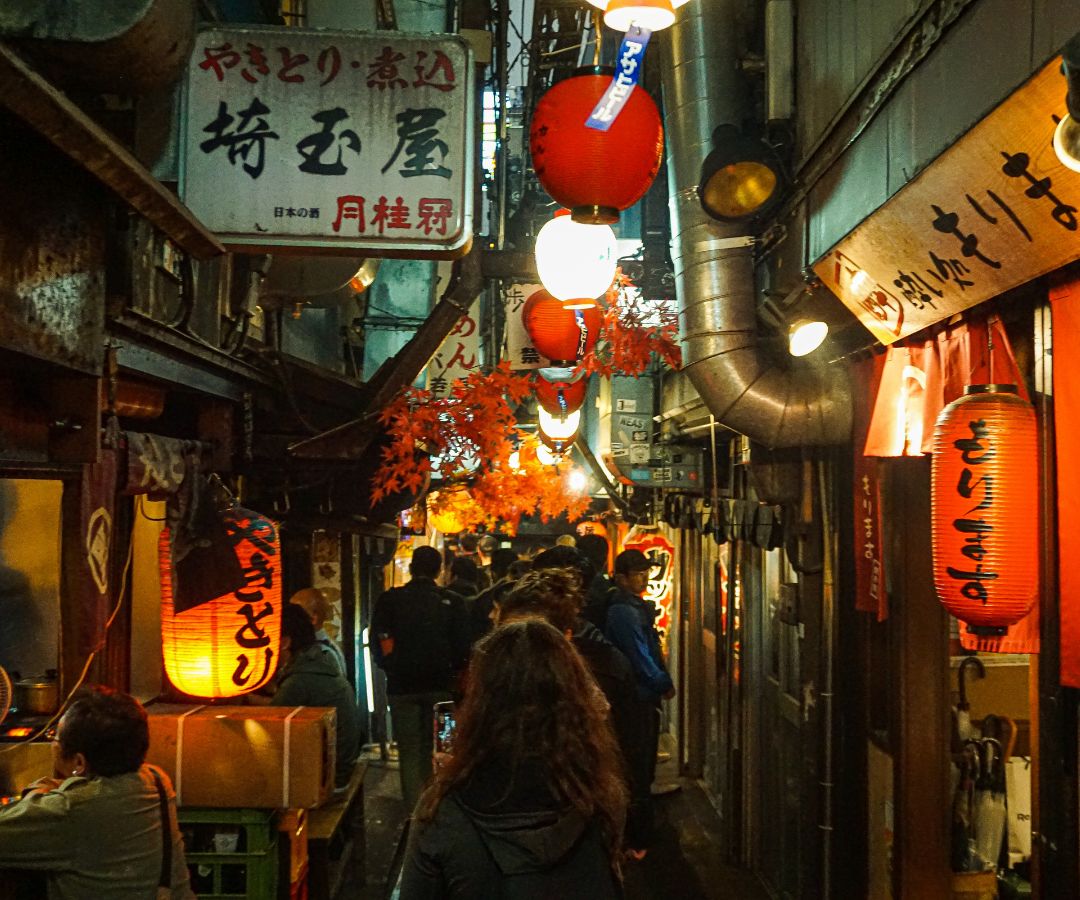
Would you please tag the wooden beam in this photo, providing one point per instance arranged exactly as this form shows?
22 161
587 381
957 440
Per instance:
77 136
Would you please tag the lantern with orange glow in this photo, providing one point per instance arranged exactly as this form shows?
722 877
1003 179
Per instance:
227 646
984 508
560 398
564 336
595 174
450 510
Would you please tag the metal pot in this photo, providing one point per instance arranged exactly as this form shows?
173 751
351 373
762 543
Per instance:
38 695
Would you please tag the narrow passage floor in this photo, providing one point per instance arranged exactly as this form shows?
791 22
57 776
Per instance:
686 862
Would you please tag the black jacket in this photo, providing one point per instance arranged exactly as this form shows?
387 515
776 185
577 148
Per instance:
613 674
430 632
496 840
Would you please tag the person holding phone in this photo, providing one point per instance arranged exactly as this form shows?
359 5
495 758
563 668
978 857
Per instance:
531 801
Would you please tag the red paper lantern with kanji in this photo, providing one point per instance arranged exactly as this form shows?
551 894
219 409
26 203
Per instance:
564 336
985 508
595 174
227 646
561 397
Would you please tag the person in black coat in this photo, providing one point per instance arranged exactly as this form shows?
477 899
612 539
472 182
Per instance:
530 803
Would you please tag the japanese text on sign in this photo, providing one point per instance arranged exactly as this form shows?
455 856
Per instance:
316 138
997 209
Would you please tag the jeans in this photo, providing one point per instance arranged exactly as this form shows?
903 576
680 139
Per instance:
414 731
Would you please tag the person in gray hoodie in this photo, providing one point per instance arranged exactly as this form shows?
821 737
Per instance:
310 677
530 803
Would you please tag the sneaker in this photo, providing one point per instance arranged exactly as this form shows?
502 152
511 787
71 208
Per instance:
662 756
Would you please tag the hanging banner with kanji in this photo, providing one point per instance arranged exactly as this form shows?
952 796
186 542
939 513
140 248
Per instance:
994 211
324 139
457 356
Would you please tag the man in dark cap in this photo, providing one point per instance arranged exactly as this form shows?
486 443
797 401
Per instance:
598 591
631 626
422 642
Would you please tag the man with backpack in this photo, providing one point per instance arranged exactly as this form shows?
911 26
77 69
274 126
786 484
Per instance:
421 642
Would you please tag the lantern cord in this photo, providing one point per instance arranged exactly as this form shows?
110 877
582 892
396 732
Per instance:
990 349
596 36
93 653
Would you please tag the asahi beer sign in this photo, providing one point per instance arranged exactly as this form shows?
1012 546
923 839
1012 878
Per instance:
322 139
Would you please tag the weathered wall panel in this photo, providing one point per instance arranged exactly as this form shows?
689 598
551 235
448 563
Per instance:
52 245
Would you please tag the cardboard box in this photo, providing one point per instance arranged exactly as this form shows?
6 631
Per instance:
21 764
268 757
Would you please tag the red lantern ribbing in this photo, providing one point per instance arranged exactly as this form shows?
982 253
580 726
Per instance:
229 645
985 508
595 174
560 398
562 335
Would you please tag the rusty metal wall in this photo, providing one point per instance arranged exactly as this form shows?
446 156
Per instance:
52 254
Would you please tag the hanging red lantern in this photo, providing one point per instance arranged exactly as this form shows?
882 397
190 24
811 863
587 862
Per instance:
227 646
560 397
595 174
985 508
564 336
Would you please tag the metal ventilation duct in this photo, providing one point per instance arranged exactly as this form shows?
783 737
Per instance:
714 265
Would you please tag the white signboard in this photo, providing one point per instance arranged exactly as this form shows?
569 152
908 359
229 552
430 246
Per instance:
457 356
328 139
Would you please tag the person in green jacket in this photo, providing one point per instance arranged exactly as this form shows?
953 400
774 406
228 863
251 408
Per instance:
105 824
310 677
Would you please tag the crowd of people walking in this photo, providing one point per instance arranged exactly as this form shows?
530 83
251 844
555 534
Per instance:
558 675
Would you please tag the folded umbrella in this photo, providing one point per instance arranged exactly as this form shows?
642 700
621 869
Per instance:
989 813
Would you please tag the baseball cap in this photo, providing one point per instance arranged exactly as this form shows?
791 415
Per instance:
631 561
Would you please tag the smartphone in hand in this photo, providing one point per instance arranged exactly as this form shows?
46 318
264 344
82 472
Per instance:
445 724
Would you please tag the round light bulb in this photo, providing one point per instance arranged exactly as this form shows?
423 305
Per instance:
806 337
575 260
578 481
559 429
653 15
1067 143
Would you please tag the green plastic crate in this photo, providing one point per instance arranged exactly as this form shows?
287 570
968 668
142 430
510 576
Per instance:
231 853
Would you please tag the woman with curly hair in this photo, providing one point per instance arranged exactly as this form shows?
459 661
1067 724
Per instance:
531 803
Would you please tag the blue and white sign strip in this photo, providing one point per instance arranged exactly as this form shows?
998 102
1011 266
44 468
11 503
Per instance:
627 73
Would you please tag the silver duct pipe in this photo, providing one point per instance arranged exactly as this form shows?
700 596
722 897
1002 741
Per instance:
714 265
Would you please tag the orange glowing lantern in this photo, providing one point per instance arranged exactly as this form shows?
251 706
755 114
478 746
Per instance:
227 646
451 510
985 508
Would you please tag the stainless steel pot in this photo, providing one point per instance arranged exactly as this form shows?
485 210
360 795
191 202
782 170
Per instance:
38 695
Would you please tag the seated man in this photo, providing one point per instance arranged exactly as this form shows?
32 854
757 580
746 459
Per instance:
317 605
309 676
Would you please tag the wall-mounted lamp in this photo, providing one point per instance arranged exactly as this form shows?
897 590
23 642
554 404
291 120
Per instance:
806 335
803 316
740 178
1067 133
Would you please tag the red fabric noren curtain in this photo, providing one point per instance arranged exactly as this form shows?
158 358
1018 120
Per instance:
1065 310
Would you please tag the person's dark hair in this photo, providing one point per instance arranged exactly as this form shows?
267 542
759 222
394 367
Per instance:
564 557
631 561
518 568
501 560
426 563
469 542
551 594
595 548
108 728
531 700
465 569
297 626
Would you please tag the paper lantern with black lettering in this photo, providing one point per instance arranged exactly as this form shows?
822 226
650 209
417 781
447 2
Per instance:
564 336
561 397
227 646
595 174
985 508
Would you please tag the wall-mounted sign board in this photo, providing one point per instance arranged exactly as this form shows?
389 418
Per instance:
331 140
994 211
